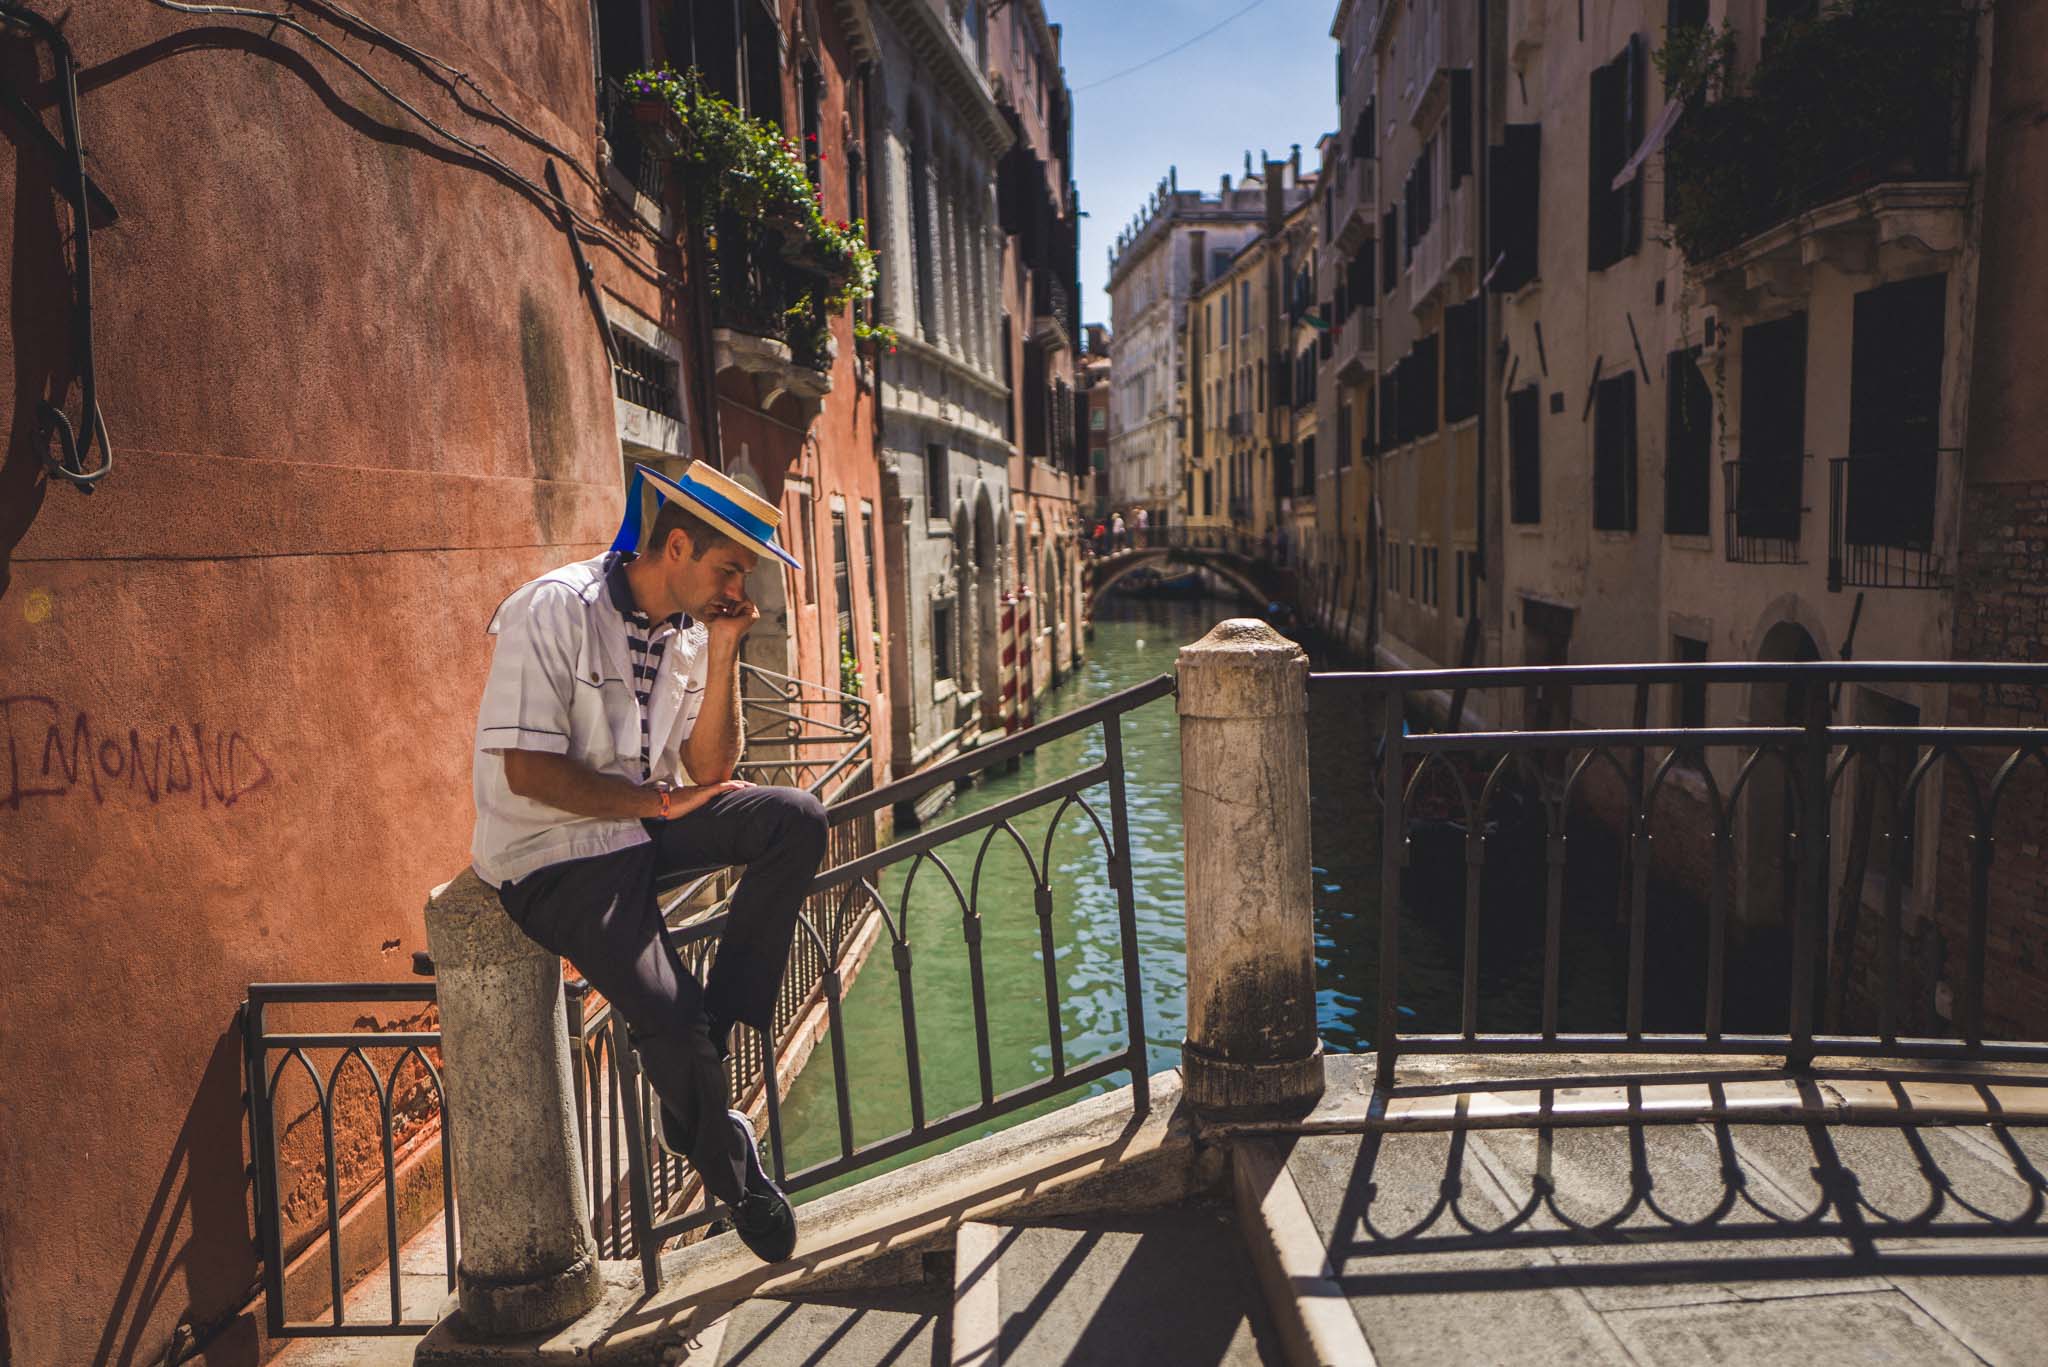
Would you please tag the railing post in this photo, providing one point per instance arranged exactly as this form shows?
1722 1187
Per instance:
1810 900
1251 1039
528 1260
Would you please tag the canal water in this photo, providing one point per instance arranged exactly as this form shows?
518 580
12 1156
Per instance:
1134 641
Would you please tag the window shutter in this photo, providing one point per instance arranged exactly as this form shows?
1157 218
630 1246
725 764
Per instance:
1631 195
1461 124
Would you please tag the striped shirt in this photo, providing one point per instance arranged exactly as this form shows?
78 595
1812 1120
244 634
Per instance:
645 642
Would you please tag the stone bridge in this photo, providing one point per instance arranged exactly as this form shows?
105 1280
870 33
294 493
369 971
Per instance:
1239 562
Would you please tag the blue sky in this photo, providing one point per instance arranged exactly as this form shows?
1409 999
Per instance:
1264 80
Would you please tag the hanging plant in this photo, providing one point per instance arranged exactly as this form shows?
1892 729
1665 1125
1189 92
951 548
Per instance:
748 178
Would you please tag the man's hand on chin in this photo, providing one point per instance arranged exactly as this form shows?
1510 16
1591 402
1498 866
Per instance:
730 621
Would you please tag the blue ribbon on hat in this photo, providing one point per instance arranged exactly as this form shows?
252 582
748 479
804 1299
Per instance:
628 538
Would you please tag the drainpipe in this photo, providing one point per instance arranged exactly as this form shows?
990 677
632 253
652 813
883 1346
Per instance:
1483 131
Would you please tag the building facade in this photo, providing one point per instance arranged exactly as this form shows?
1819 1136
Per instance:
1180 240
1095 393
1041 332
1429 324
945 409
1343 578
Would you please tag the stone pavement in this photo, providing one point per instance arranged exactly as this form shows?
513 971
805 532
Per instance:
1683 1241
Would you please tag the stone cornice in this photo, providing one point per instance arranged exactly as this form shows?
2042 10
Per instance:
939 56
859 26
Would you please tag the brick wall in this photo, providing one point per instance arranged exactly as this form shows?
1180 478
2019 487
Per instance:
2001 614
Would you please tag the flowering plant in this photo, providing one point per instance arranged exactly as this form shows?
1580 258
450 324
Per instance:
747 172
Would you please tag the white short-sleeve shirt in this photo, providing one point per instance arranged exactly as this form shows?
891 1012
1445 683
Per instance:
561 682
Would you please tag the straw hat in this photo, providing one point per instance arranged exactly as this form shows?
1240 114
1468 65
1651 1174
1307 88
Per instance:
722 502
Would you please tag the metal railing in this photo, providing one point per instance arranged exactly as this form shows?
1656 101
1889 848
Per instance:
800 733
639 1197
1881 522
1476 779
854 883
634 151
415 1055
1765 507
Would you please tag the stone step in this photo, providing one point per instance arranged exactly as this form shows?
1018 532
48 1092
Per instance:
906 1328
1169 1286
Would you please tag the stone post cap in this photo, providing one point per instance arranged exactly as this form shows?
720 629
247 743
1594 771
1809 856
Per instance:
1242 668
467 924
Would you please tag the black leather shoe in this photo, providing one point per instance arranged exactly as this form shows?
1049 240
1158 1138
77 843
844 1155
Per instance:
763 1218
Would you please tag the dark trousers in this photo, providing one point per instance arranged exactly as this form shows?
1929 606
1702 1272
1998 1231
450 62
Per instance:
601 914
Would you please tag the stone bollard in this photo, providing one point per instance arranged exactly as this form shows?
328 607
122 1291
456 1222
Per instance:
1251 1043
528 1260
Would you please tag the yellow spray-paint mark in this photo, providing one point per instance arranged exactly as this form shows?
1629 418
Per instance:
36 606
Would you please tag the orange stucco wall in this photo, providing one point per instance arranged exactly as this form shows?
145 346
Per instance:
357 395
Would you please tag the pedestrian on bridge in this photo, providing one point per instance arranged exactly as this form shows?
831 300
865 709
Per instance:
605 750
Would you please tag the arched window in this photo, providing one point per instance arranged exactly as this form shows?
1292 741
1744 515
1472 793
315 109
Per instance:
921 246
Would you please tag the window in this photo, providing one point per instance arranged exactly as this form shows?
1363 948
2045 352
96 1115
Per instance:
1525 462
1416 377
921 234
1894 413
1411 570
1244 308
1390 262
1682 14
1226 314
1098 418
935 479
1462 359
1308 465
643 375
1458 572
1461 124
1514 172
1688 444
810 554
811 90
1208 493
842 590
867 546
1343 432
1769 487
1614 218
1614 454
942 639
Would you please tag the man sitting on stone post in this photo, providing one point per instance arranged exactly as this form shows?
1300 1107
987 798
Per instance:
605 749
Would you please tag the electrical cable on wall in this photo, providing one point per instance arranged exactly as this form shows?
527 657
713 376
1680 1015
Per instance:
74 443
590 229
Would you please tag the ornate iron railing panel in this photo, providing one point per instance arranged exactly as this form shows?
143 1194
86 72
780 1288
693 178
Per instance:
1459 784
850 888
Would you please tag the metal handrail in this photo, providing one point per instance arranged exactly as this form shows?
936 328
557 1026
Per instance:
853 883
1891 545
1473 775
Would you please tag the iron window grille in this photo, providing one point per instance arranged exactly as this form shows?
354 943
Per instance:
1764 509
643 375
1881 522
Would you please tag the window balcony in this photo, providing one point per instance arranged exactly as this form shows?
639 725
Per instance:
1881 522
1848 137
1446 245
1765 509
638 151
754 288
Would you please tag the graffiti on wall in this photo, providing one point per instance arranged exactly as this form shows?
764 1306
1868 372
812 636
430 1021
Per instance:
55 751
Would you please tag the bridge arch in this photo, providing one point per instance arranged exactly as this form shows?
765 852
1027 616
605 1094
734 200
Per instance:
1109 573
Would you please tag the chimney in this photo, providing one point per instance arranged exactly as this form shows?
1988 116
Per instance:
1294 161
1226 185
1173 178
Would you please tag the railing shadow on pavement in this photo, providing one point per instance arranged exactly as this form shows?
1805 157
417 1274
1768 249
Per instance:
1718 1203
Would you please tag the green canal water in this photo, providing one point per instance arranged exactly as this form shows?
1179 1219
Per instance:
1135 641
1132 643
